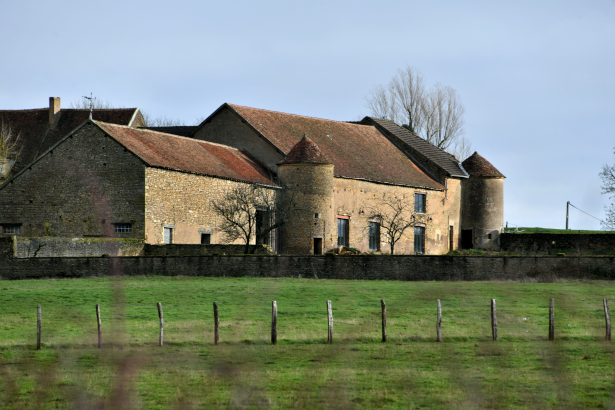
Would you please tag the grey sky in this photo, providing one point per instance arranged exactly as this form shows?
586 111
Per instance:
537 78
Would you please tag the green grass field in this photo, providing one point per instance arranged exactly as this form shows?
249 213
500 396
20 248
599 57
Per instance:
468 369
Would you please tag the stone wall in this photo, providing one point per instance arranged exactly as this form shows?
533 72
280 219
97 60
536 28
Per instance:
46 247
201 250
552 243
372 267
80 188
183 201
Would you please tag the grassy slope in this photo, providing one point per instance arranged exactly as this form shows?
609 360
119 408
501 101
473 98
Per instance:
467 369
550 230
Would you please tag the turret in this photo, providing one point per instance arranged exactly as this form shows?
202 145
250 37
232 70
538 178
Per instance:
482 204
307 175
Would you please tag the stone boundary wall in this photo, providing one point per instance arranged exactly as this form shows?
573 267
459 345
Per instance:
552 243
201 250
53 247
371 267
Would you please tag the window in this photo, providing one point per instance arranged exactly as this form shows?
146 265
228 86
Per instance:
419 203
168 235
342 231
11 229
419 240
122 228
374 236
205 238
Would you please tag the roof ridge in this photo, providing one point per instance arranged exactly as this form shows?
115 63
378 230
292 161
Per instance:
164 133
294 115
28 109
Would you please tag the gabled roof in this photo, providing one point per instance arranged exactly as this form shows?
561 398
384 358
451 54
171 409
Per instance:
160 150
357 151
477 166
440 158
305 152
36 137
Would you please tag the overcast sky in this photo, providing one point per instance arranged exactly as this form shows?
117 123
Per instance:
537 79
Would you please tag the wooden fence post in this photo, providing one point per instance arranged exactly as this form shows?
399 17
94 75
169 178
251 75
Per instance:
494 321
274 322
99 325
384 320
552 319
439 322
160 339
216 324
39 320
607 318
330 318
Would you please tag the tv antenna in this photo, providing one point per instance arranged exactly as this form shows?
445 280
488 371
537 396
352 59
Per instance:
91 98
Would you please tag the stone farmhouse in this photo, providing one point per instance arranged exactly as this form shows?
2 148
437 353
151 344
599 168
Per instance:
108 177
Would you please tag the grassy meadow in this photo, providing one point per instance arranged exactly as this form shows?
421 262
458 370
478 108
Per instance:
410 370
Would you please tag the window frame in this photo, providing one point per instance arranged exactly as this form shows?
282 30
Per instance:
170 229
420 202
11 229
344 228
122 227
374 236
419 240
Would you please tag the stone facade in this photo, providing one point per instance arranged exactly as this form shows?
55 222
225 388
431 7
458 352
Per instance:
81 188
182 202
483 211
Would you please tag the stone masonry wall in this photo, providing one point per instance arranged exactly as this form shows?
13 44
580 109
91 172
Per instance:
183 201
550 243
46 247
80 188
353 198
370 267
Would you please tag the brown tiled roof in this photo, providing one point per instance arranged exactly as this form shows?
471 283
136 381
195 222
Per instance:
35 136
168 151
305 152
181 130
357 151
478 166
437 156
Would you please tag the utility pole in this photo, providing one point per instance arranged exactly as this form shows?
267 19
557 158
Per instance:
567 208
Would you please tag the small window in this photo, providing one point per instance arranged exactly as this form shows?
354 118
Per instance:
419 240
419 203
168 235
11 229
342 232
205 238
122 228
374 236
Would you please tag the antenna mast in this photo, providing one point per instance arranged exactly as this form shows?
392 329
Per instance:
91 98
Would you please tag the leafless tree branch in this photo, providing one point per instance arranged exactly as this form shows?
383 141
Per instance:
395 214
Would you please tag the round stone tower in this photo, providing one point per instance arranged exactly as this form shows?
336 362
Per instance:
307 175
482 204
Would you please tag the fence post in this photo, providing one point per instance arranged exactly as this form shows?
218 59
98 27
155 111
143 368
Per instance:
439 322
216 324
552 319
160 339
494 321
274 322
607 318
99 325
39 320
330 318
384 320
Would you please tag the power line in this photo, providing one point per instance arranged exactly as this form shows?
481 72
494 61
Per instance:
585 212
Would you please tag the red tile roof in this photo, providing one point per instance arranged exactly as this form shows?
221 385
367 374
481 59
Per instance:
305 152
478 166
35 136
357 151
168 151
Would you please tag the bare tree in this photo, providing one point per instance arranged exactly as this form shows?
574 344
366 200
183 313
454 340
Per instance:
435 115
161 121
396 214
608 187
9 148
97 104
251 211
148 119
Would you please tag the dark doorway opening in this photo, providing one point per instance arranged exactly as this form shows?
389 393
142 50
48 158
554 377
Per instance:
317 246
205 238
451 240
467 241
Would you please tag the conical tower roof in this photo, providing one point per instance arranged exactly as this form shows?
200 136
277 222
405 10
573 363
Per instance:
305 152
478 166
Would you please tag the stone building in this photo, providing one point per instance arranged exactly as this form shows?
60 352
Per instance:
104 180
39 129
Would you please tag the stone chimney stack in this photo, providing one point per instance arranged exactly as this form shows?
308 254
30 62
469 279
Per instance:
54 111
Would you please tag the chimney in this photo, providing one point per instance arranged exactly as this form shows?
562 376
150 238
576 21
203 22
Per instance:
54 111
